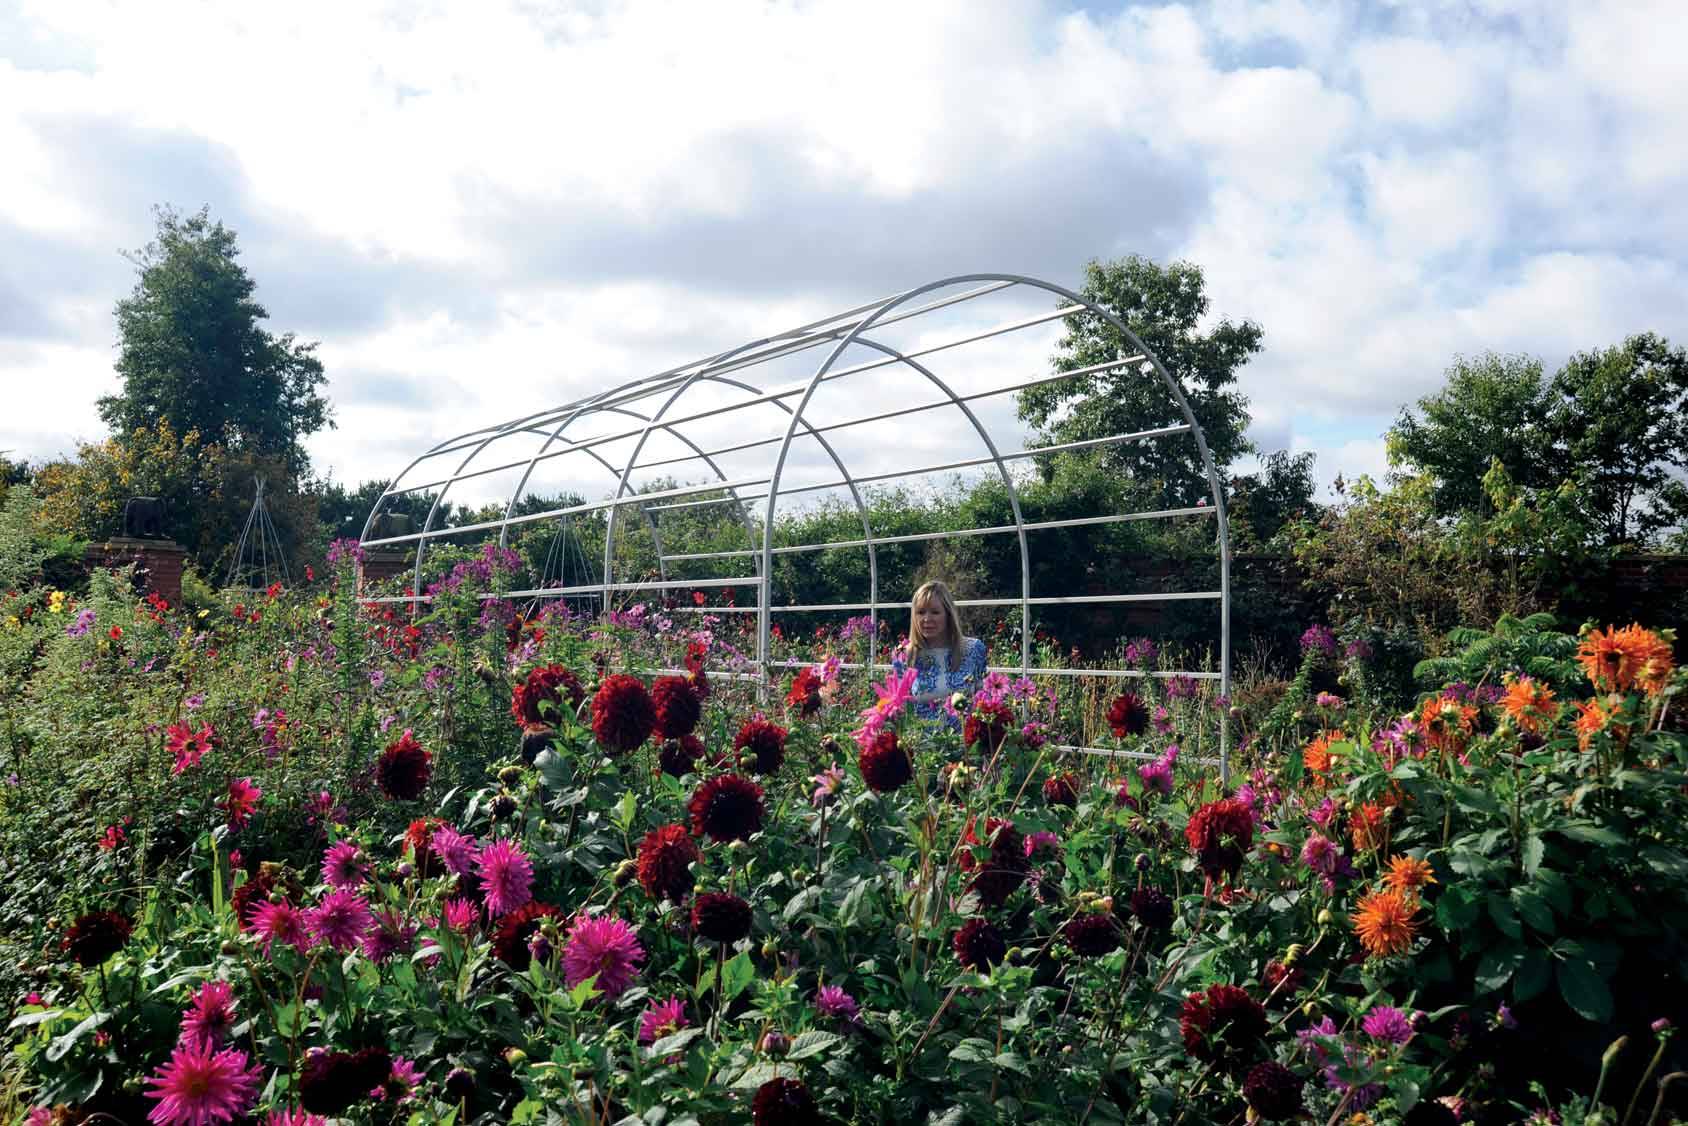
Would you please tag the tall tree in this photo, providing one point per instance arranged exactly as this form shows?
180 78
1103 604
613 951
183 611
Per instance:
193 354
1492 408
1164 306
1621 420
1263 502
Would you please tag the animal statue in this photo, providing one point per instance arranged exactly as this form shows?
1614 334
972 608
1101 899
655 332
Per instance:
143 519
390 524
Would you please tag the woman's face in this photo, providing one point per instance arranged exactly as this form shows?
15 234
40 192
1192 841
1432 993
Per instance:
929 617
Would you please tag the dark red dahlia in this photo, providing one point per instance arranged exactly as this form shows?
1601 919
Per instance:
999 874
764 740
1152 907
1092 936
248 895
987 724
1061 790
979 945
727 808
1222 1025
679 757
784 1102
884 764
330 1082
665 858
404 768
96 936
622 714
1221 833
1282 983
1128 715
677 706
538 699
720 917
1273 1091
804 698
510 942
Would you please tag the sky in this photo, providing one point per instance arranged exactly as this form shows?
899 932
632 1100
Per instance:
483 210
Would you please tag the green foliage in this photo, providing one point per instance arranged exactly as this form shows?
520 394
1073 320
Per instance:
21 550
1261 504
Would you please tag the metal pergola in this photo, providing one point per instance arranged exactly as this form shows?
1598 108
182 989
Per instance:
763 398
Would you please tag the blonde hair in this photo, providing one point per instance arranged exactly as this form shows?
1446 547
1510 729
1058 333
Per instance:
934 591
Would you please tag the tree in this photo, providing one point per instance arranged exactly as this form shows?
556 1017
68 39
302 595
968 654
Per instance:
1621 421
192 353
1492 408
1163 305
1263 502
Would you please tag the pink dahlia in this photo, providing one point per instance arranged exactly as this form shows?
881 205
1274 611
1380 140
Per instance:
211 1014
400 1082
832 1001
241 801
339 920
294 1117
506 876
388 935
604 947
455 850
461 915
662 1018
201 1086
344 866
279 922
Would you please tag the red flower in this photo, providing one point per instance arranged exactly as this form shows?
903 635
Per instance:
784 1102
1221 833
699 598
804 698
885 765
404 768
510 942
1000 873
1128 715
96 936
1091 936
727 808
979 945
679 757
539 697
677 706
665 858
241 801
1061 790
764 740
1222 1025
623 716
987 723
720 917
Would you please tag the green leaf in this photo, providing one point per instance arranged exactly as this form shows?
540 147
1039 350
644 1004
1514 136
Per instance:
1012 1062
756 1076
1666 861
668 1045
526 1110
1534 851
1456 909
29 1019
1501 911
973 1050
1497 966
1556 888
1591 834
59 1047
1532 976
809 1044
737 975
1533 909
1584 990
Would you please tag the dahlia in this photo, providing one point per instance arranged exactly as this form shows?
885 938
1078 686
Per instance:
404 768
1592 719
1281 982
1409 873
339 920
1388 1024
506 876
279 922
662 1018
884 765
623 716
188 745
460 915
1317 757
1222 1024
1127 715
1369 827
388 935
96 936
201 1085
826 783
665 858
455 850
1530 703
987 724
832 1001
1617 660
241 801
344 866
1385 922
1040 841
400 1081
979 945
1221 833
210 1015
720 917
1152 908
677 706
679 757
764 740
330 1082
1320 854
510 941
1273 1091
1061 790
538 699
727 808
1003 869
1091 936
784 1102
1447 723
804 698
602 947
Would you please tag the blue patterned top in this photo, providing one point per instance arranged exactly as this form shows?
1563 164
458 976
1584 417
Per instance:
963 676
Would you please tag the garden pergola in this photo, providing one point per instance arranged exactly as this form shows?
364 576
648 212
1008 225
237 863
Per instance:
829 408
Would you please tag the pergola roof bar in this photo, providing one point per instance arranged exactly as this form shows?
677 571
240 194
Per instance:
1133 674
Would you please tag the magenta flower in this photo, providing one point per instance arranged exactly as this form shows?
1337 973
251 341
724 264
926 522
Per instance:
506 876
461 915
1388 1024
832 1001
388 935
242 799
605 947
1320 854
340 920
894 696
1041 840
344 866
201 1086
296 1117
279 922
401 1081
662 1018
211 1014
826 786
1156 776
455 850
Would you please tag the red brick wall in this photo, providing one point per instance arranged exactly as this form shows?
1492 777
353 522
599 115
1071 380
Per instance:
158 563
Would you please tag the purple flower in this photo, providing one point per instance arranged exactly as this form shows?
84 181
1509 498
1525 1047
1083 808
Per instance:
1328 700
1140 652
832 1001
1323 813
389 935
344 866
1320 854
377 677
455 850
1181 687
83 623
1388 1024
1156 776
506 877
339 920
1319 638
1162 720
1040 840
195 702
1358 650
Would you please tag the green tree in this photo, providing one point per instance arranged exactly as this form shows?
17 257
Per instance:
1165 307
193 354
1262 503
1492 408
1621 421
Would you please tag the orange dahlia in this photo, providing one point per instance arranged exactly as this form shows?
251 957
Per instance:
1446 723
1407 874
1318 758
1530 703
1617 660
1592 719
1385 922
1369 827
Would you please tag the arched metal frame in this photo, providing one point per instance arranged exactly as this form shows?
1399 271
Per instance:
843 331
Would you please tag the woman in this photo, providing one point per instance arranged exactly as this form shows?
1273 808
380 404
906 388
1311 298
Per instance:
946 661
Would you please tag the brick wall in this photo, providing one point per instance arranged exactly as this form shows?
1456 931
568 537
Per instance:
158 563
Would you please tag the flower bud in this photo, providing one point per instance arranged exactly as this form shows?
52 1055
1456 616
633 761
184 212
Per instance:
515 1057
773 1043
625 871
829 744
510 775
1294 953
459 1083
1324 917
503 806
404 870
231 948
1662 1025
